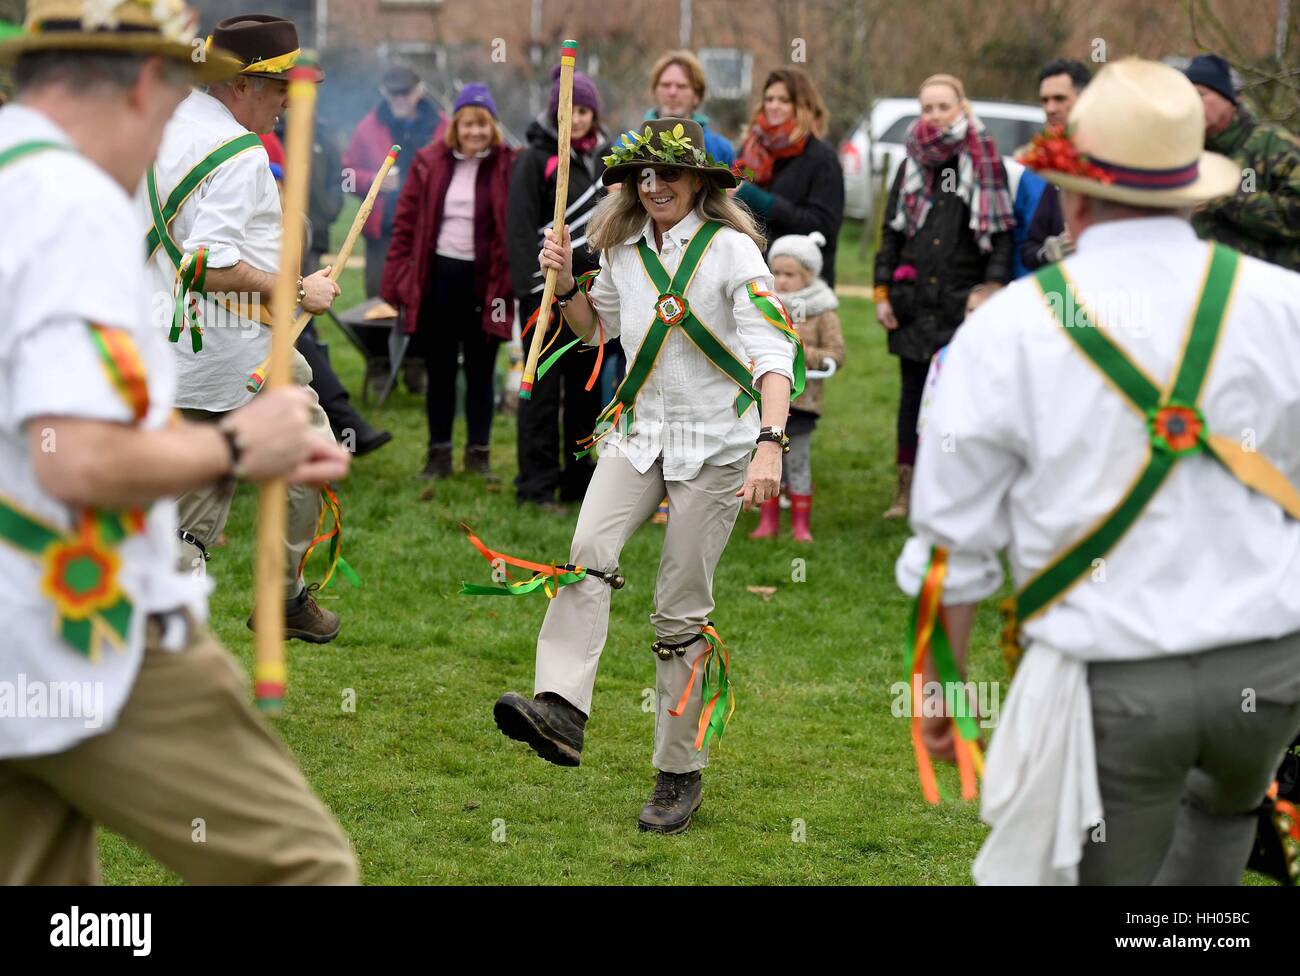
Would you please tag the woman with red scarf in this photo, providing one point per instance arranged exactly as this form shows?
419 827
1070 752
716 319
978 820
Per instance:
793 181
947 229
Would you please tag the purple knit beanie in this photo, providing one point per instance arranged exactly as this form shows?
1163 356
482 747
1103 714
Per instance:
475 94
584 92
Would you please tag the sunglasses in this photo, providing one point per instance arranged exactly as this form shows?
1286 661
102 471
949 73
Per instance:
666 174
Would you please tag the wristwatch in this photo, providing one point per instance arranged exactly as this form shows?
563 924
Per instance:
776 435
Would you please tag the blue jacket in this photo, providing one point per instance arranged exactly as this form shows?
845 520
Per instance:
1027 195
715 145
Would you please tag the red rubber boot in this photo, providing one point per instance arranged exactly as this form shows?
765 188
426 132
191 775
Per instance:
801 517
769 520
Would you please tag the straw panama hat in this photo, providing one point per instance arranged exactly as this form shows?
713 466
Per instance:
1141 124
164 27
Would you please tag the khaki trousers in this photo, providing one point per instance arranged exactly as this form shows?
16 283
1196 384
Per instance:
190 773
204 511
702 512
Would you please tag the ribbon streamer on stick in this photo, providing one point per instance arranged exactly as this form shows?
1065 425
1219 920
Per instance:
258 376
269 672
564 118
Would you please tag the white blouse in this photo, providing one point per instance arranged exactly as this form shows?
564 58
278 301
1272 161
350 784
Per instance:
685 413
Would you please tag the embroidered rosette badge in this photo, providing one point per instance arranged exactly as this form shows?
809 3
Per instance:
1176 429
80 577
671 309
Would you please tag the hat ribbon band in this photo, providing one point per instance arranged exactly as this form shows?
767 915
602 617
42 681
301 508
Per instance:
276 65
1143 179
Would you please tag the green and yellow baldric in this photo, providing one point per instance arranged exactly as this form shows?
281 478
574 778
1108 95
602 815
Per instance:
673 310
191 269
1176 429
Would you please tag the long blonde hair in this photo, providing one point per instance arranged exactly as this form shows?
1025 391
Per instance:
621 215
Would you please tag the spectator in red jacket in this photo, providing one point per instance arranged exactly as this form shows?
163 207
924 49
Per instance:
448 272
407 118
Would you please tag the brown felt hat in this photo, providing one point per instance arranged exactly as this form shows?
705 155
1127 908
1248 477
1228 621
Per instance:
646 148
266 46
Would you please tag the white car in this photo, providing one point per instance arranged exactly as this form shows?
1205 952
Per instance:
1010 124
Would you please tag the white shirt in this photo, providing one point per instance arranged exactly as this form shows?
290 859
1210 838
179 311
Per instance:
1026 447
236 214
685 412
69 255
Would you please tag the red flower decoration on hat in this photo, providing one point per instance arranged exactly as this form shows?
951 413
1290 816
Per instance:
1053 149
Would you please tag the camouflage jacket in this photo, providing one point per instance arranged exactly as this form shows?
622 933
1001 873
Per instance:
1263 217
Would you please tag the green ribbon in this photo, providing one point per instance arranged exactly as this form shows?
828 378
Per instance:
716 682
523 587
945 662
191 278
1069 567
30 535
584 282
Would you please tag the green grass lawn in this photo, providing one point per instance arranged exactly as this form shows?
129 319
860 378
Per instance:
814 781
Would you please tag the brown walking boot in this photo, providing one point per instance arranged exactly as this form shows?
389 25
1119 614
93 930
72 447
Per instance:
307 620
902 494
547 722
674 801
478 460
438 462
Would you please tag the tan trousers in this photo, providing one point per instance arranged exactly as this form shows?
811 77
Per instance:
204 511
702 512
190 773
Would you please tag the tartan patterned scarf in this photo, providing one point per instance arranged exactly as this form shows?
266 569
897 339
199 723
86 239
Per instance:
981 178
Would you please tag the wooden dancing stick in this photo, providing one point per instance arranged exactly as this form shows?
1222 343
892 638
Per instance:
568 57
269 672
258 376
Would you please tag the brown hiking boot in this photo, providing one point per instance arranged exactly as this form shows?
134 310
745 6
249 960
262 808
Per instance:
309 621
438 462
547 722
674 801
478 459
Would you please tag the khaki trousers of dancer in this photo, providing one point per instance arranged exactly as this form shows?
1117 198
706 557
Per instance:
190 773
702 512
1186 749
204 511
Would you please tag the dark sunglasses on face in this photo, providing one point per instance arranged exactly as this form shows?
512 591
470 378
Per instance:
666 174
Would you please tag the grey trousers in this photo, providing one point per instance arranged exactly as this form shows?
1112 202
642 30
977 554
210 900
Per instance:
797 465
618 501
1186 749
203 512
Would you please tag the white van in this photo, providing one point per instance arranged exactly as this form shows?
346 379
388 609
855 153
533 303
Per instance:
1010 124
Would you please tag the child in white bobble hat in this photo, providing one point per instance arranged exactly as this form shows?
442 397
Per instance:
796 263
